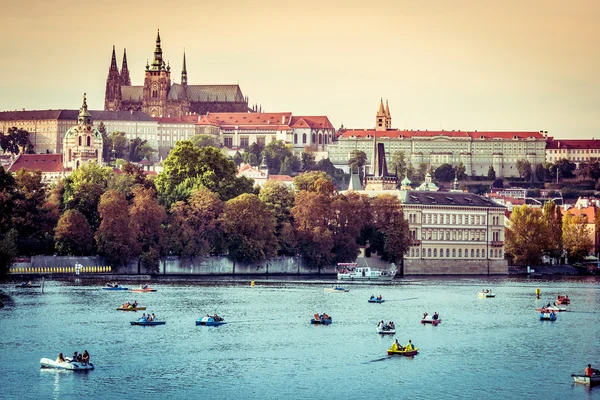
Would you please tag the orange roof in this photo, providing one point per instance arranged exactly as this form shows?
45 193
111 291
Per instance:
313 122
573 144
407 134
186 119
281 178
43 162
282 118
589 212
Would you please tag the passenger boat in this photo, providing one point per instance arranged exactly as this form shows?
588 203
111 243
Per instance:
349 271
484 295
563 300
27 286
73 366
406 353
430 320
336 289
547 317
143 290
375 300
210 321
586 380
553 308
323 319
386 330
114 287
131 308
147 323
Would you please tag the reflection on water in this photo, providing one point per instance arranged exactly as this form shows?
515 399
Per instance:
495 347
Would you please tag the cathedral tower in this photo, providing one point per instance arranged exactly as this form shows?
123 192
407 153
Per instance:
381 118
157 82
112 97
82 143
125 80
184 80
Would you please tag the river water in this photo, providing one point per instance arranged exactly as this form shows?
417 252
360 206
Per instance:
484 348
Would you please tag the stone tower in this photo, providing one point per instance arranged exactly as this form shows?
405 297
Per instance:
184 78
125 80
112 98
157 82
82 143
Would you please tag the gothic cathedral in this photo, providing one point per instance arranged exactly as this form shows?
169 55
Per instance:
159 97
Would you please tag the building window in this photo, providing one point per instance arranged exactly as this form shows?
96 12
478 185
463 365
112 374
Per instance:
228 142
459 253
244 142
314 138
304 138
435 252
260 141
88 141
295 138
447 253
428 252
453 253
477 253
472 253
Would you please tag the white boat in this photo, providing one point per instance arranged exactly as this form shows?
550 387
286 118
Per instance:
485 295
68 364
586 380
384 331
350 272
336 289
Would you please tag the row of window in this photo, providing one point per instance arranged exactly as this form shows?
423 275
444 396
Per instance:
322 139
454 253
453 219
454 234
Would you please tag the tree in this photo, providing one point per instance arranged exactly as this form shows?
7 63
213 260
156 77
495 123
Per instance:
206 141
553 217
526 235
524 169
327 166
576 237
237 158
279 198
140 149
421 172
350 214
391 237
15 141
252 155
307 161
461 171
146 220
249 228
115 239
491 174
85 199
307 180
120 145
541 172
444 173
286 166
8 235
275 153
399 164
498 183
106 143
73 236
565 168
357 160
194 228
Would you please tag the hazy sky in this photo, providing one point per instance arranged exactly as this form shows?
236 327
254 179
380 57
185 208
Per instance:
451 64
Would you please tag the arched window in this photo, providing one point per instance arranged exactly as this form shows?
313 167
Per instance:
304 138
472 253
459 253
314 138
477 253
88 141
320 138
453 253
435 252
447 253
295 138
428 252
422 252
79 140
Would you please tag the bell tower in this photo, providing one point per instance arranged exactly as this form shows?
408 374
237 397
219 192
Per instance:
112 97
157 82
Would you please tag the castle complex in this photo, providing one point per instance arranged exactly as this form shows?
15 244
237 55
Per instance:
160 97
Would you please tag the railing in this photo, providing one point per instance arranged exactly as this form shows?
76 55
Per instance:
59 270
495 243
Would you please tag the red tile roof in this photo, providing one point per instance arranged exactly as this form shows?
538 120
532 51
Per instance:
573 144
589 212
314 122
43 162
282 118
186 119
281 178
407 134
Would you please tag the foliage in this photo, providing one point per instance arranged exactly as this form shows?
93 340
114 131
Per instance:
565 168
357 160
237 158
286 167
252 155
115 239
307 180
576 237
444 173
279 199
307 161
391 237
350 214
553 218
327 166
106 143
194 228
274 155
120 145
15 141
206 141
249 228
498 183
73 235
491 175
420 172
146 219
524 169
8 249
461 171
527 235
399 164
140 149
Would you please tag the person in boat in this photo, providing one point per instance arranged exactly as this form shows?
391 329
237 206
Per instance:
425 315
396 346
589 371
435 315
29 283
75 357
60 358
379 297
144 318
372 297
325 316
153 317
391 325
135 304
409 345
552 314
85 358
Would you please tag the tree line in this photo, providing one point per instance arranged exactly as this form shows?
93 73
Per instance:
196 206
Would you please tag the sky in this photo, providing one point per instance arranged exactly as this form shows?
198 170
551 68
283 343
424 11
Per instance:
487 65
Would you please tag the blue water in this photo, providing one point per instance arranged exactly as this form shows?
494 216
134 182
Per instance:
484 348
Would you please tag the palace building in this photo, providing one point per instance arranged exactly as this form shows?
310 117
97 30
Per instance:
159 96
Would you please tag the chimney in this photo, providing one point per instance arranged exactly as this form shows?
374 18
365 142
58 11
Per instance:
22 109
282 119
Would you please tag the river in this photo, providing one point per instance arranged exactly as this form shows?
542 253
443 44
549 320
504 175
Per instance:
484 348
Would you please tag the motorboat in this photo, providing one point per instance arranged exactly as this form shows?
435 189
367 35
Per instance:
336 289
407 353
27 286
553 308
143 322
586 380
131 308
322 319
376 300
146 290
563 300
210 321
386 330
114 287
485 295
547 317
347 272
67 364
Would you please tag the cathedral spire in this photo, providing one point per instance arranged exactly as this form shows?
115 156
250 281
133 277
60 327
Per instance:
387 109
184 80
125 80
84 117
381 111
158 62
113 61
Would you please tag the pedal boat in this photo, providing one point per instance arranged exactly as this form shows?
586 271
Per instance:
406 353
68 365
209 321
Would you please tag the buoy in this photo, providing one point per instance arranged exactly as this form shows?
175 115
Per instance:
252 283
537 293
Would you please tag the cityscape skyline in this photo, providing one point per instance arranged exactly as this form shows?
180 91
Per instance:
501 66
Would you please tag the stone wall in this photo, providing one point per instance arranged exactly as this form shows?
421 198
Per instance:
455 267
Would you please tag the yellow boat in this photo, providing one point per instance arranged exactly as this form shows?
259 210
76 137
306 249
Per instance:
395 352
131 308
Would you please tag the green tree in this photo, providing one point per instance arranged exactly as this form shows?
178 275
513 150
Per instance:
146 221
206 141
85 199
237 158
253 154
327 166
576 237
491 174
565 168
399 164
194 228
249 228
115 239
140 149
444 173
275 153
307 180
106 143
461 171
8 235
350 214
120 145
421 172
307 161
553 217
73 235
390 231
524 169
286 166
526 235
357 160
279 199
15 141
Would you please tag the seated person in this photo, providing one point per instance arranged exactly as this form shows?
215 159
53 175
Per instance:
85 358
435 315
325 316
396 346
379 297
372 297
409 346
424 315
60 358
75 356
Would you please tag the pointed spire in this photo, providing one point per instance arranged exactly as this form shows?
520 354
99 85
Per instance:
184 78
157 63
113 61
381 112
387 109
125 80
84 117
